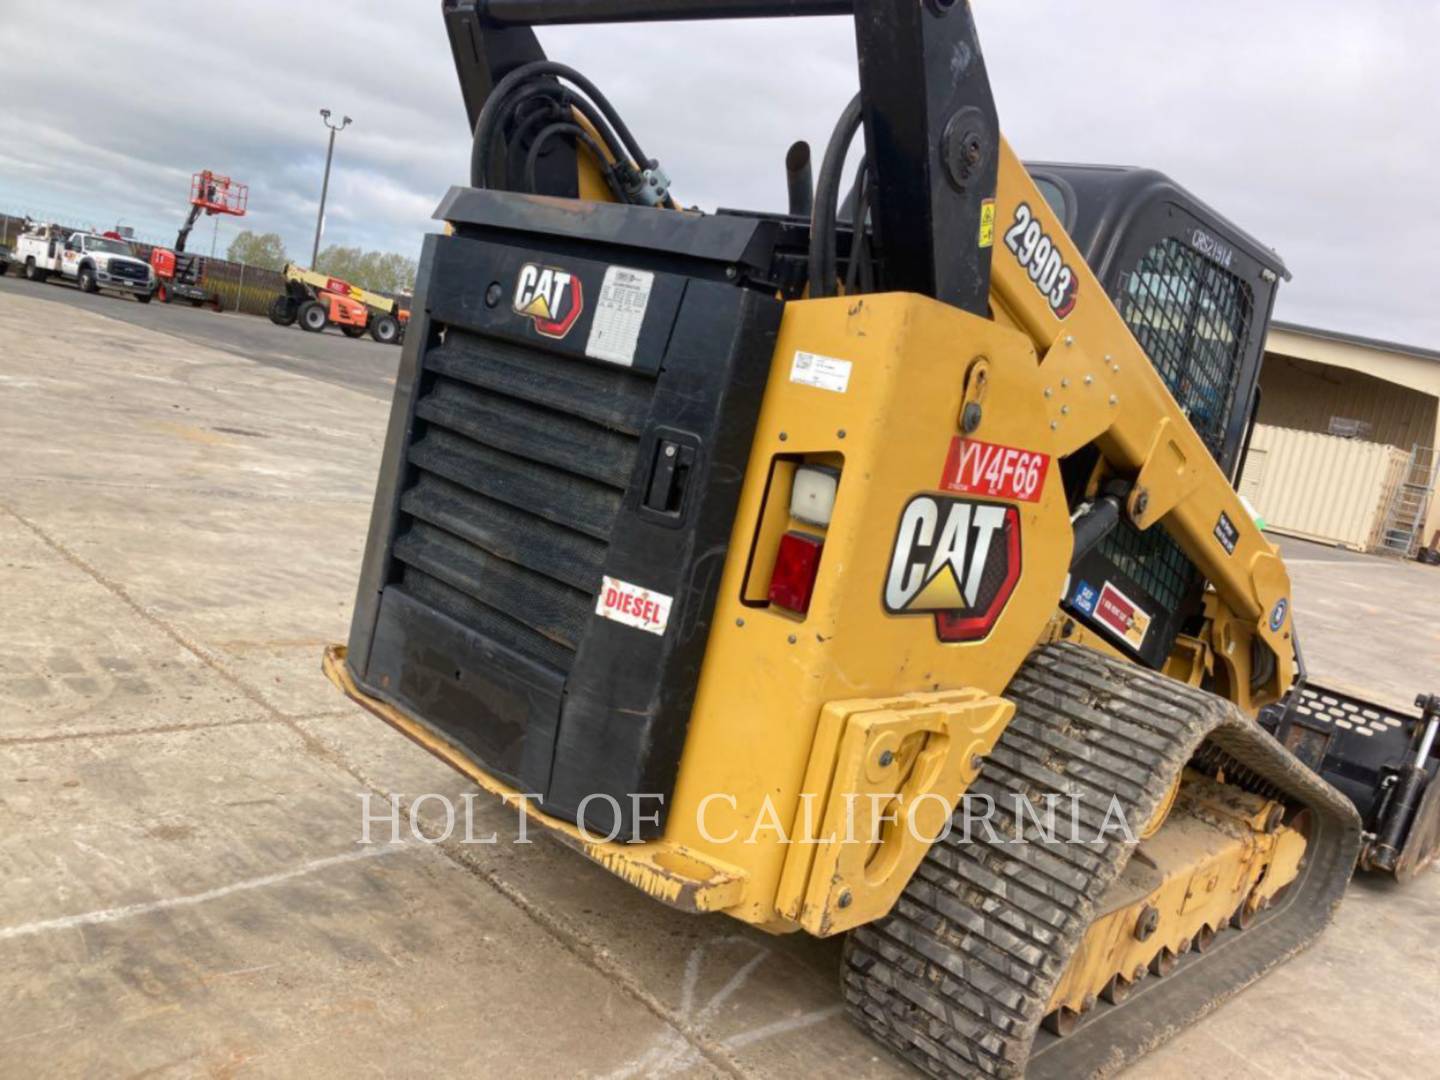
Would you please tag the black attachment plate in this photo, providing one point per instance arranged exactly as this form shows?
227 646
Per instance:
1356 745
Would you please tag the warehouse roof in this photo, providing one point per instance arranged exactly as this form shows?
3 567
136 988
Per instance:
1355 339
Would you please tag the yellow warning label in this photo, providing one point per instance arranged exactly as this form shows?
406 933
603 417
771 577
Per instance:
987 223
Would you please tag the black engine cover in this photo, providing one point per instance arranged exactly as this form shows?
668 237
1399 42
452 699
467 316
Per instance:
571 425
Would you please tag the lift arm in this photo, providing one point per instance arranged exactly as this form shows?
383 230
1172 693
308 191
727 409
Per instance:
932 140
1103 389
191 218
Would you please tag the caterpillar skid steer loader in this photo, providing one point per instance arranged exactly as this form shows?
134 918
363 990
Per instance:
760 556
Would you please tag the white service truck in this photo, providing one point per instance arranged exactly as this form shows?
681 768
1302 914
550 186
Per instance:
92 261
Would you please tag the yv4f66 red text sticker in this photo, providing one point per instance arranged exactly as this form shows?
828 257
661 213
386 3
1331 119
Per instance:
999 472
1028 242
956 559
551 299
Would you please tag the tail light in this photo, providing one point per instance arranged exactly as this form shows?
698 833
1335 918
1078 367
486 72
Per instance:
797 564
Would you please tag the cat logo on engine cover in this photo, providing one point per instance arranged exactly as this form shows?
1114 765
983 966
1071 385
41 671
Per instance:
956 559
551 299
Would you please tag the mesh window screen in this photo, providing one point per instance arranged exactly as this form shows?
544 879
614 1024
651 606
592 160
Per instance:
1192 317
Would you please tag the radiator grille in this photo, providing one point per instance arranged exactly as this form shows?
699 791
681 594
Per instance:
129 271
518 467
189 269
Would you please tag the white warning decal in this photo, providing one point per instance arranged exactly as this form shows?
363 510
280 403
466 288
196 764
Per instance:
633 606
821 372
624 296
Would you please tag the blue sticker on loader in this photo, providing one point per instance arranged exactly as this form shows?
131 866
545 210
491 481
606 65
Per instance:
1085 597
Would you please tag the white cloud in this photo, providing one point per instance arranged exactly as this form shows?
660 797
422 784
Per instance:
1309 122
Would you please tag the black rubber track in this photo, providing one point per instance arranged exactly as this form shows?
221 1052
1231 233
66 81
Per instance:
956 978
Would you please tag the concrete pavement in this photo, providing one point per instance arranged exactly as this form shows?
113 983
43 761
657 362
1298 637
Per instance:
365 366
181 523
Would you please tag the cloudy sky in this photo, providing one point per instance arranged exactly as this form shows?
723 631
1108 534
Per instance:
1310 122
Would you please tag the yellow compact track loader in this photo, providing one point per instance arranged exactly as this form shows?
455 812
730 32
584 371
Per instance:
872 568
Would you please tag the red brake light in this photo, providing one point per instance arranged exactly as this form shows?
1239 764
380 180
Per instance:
797 564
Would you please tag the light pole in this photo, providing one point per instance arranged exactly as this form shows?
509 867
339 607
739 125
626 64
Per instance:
325 187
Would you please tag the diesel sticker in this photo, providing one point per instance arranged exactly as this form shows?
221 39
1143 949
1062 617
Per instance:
1038 254
1226 533
999 472
619 314
1122 616
551 299
821 372
955 559
633 606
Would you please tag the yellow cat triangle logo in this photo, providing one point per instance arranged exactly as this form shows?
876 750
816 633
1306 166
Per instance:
538 308
941 593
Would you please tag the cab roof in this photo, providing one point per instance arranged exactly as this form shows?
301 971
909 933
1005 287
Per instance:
1101 201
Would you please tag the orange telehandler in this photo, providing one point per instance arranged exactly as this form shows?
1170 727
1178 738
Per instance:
317 300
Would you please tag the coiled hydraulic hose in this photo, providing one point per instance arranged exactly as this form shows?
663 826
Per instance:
521 85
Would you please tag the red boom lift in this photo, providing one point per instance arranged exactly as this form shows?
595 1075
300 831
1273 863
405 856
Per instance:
182 275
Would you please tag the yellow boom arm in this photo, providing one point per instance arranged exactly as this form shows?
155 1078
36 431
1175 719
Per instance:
1101 388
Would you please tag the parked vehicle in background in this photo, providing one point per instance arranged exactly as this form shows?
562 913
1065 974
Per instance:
92 261
181 275
316 301
5 254
38 250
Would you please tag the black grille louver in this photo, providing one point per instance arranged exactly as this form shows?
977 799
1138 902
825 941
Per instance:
130 271
523 509
519 467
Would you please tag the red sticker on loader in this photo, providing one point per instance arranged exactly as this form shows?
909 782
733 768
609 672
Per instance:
1121 615
998 472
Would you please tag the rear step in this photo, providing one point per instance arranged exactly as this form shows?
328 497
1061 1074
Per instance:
959 976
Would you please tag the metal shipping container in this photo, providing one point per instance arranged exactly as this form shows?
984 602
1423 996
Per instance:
1321 487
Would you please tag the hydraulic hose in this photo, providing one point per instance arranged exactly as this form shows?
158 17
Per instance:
546 112
858 276
827 196
495 105
566 127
